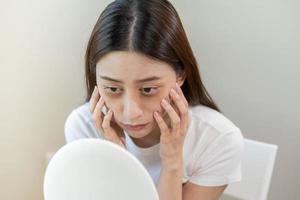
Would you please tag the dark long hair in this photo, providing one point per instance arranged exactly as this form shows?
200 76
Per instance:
152 28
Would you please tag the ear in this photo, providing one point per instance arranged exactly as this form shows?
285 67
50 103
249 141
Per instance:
180 79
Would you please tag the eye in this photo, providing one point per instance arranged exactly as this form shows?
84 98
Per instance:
112 90
149 90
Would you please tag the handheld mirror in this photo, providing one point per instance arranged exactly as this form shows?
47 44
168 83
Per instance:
95 169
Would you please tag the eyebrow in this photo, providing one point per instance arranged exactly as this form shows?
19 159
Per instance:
151 78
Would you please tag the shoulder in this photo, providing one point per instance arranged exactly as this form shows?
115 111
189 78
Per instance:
79 124
80 114
209 123
210 117
213 147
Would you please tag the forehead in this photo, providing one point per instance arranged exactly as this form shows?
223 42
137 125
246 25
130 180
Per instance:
128 65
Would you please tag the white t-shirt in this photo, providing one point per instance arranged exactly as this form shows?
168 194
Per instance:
212 148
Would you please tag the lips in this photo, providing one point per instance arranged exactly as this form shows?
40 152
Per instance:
134 127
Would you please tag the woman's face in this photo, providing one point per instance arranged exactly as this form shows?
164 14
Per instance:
133 85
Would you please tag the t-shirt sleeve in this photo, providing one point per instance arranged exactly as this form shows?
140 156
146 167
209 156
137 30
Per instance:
220 164
77 127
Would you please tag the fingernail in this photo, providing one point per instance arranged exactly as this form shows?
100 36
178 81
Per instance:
178 87
173 92
164 102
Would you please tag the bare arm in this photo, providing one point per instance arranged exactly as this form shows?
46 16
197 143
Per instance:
170 183
196 192
170 187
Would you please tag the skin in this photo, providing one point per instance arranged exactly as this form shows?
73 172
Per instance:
159 103
135 102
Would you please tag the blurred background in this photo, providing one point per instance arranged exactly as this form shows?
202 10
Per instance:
248 55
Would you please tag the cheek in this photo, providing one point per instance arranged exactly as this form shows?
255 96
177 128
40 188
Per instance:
156 104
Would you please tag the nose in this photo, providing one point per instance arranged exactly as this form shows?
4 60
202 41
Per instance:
132 109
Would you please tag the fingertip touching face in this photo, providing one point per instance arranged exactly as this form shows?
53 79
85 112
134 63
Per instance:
133 86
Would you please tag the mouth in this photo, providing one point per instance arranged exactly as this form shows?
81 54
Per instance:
134 127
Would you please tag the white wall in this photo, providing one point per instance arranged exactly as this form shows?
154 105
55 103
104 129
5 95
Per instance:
42 44
247 51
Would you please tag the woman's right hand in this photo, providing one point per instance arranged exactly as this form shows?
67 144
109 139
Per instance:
104 123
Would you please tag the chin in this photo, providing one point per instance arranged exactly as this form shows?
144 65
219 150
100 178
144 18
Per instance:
141 133
137 135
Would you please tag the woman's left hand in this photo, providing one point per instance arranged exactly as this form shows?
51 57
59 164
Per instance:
172 138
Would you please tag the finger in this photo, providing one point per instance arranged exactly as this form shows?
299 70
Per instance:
185 115
183 109
123 142
161 123
106 124
98 115
175 120
106 108
180 93
94 99
109 134
179 102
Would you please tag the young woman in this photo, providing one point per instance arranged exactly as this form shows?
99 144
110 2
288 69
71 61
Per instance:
141 69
